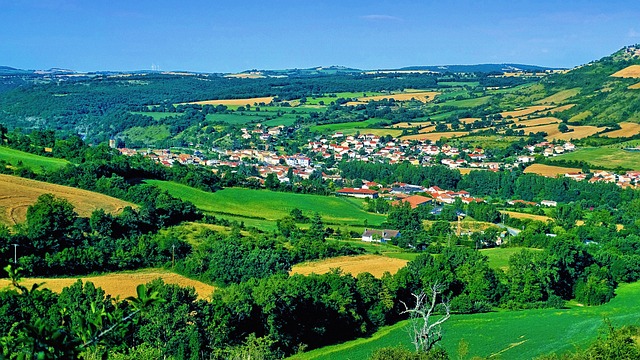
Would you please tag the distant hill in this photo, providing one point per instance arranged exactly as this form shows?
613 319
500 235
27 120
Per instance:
482 68
6 70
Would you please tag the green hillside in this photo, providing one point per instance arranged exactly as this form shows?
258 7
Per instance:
34 162
263 205
506 334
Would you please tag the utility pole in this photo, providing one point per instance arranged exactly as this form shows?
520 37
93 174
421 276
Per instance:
15 253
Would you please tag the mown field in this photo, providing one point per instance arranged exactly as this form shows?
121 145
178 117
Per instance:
376 265
34 162
506 334
607 157
17 194
626 130
345 126
271 206
122 284
549 170
239 102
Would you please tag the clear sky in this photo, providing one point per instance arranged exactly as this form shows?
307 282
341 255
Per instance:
231 36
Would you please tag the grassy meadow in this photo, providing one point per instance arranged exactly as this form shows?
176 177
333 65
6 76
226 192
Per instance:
606 157
248 204
36 163
506 334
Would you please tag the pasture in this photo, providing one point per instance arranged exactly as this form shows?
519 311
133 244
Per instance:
435 136
606 157
345 125
236 102
376 265
235 119
549 170
632 71
499 257
271 205
559 97
578 132
120 284
17 194
627 129
505 334
525 111
36 163
468 103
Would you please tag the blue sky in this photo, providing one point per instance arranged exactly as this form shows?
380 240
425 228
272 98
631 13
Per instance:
230 36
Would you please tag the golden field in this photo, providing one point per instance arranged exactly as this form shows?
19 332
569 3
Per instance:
120 284
423 96
525 111
553 133
538 121
17 194
549 170
519 215
376 265
626 130
632 71
434 136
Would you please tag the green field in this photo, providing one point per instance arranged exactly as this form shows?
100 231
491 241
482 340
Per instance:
506 334
467 103
270 206
499 257
148 133
345 126
345 95
36 163
607 157
235 119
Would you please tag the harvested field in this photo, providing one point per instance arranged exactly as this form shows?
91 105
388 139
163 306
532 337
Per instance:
237 102
525 111
469 120
427 129
634 86
559 97
553 133
561 108
377 265
16 194
251 75
538 121
549 170
409 125
626 130
424 96
434 136
121 284
632 71
519 215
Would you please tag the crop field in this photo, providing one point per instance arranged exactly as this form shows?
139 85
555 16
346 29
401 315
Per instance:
525 111
549 170
271 205
632 71
561 108
423 96
409 125
468 120
434 136
538 121
238 102
122 284
579 132
519 215
379 132
468 103
634 86
427 129
608 157
376 265
560 96
34 162
17 194
626 130
506 334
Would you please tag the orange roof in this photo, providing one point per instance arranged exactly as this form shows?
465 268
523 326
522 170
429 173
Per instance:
416 200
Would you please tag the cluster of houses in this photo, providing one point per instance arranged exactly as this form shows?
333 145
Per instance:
410 194
261 132
631 179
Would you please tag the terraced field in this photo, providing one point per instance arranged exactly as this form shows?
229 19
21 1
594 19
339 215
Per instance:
17 194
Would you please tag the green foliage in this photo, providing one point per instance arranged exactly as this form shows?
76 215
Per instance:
399 353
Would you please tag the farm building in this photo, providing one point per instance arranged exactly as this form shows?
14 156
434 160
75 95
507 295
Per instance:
548 203
371 235
414 201
359 193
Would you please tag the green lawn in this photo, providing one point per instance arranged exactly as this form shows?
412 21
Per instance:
506 334
36 163
264 205
608 157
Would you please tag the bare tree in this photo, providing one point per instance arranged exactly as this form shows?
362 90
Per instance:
425 331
